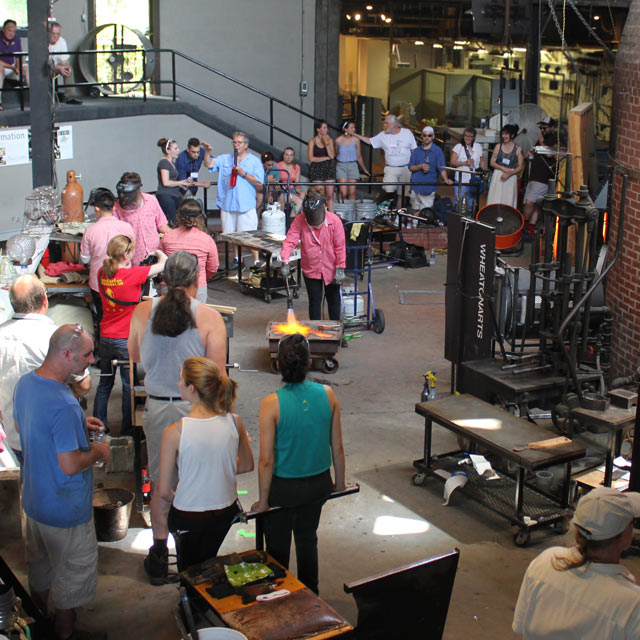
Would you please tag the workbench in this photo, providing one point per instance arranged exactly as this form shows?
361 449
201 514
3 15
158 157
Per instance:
300 614
505 436
271 245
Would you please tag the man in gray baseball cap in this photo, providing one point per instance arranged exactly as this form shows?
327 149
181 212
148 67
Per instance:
583 591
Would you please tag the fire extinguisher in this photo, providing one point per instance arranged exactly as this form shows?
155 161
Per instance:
234 171
146 486
429 389
72 196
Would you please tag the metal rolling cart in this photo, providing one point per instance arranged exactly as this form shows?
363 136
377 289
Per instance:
359 264
270 245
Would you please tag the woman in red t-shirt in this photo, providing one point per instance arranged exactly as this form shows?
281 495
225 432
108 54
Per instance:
120 285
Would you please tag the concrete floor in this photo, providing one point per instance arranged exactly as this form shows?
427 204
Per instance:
390 522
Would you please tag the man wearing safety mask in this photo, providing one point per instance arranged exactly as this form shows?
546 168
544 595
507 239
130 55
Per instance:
323 254
142 211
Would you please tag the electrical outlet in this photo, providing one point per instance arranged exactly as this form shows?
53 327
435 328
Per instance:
304 88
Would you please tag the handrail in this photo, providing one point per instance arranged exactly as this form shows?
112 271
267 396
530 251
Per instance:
175 83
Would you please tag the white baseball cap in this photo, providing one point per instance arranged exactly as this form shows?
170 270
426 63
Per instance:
428 129
604 513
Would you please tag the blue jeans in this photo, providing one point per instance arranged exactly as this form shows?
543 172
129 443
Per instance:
469 193
113 349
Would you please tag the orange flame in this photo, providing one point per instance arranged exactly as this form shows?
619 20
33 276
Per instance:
293 326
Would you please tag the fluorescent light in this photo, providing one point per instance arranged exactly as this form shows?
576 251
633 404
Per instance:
458 46
437 45
520 49
357 16
460 42
419 43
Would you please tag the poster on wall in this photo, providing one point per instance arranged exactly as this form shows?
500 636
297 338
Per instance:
15 145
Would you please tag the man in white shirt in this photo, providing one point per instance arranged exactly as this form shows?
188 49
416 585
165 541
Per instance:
583 592
59 61
397 144
24 342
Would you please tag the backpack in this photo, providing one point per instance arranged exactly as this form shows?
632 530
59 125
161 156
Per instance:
442 207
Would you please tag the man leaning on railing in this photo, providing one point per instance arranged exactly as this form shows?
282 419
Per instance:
10 44
59 61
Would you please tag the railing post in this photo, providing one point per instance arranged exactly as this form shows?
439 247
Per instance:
173 73
144 75
271 121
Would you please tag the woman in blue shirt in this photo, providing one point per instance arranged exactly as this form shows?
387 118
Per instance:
300 436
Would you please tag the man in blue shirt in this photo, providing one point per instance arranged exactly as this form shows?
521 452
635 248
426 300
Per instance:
426 163
238 183
62 552
189 162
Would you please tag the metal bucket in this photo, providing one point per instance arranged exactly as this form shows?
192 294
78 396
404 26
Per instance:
111 513
346 210
366 209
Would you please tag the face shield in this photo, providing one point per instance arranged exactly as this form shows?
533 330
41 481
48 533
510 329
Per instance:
314 209
128 193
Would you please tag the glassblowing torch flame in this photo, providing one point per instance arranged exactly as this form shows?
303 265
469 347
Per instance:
293 326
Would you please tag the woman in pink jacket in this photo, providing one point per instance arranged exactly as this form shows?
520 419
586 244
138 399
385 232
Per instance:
324 255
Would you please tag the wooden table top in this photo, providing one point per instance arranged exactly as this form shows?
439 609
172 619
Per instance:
498 430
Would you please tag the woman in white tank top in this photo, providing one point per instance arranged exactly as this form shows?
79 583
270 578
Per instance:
208 448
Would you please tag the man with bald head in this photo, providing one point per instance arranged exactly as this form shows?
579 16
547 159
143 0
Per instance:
57 490
24 342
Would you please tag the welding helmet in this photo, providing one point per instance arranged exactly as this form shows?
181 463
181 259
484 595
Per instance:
128 192
314 209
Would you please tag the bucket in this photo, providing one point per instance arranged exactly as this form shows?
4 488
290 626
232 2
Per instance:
273 220
544 479
220 633
111 513
346 210
366 209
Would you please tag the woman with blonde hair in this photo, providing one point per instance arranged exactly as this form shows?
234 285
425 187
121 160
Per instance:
190 235
119 286
207 448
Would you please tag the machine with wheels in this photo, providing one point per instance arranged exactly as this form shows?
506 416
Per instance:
357 300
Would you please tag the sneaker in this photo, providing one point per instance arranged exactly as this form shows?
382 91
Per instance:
157 568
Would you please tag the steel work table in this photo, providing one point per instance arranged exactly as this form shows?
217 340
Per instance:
499 432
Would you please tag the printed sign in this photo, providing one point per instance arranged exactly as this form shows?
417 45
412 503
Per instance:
15 145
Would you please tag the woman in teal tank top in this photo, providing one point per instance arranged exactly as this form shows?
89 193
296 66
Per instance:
300 436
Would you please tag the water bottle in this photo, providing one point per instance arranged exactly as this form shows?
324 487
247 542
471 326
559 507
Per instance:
100 436
432 257
429 389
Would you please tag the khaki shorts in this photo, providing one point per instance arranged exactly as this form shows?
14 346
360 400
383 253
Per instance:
64 561
396 174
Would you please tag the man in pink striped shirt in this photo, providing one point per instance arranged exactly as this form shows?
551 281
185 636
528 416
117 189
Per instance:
142 212
324 255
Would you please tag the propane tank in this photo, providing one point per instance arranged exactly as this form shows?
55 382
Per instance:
72 196
429 389
274 220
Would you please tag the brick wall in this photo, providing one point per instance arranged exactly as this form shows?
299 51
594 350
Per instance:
623 283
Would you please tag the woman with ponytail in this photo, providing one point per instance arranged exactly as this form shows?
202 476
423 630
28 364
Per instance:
119 286
300 436
207 448
165 332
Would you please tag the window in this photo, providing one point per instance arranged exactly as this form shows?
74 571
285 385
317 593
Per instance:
14 10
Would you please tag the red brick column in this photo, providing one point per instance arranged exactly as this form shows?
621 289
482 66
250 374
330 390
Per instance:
623 282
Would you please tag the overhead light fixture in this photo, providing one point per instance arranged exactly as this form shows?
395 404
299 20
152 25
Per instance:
461 42
348 16
482 51
520 49
388 20
596 17
383 17
419 43
369 7
437 45
357 16
458 46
